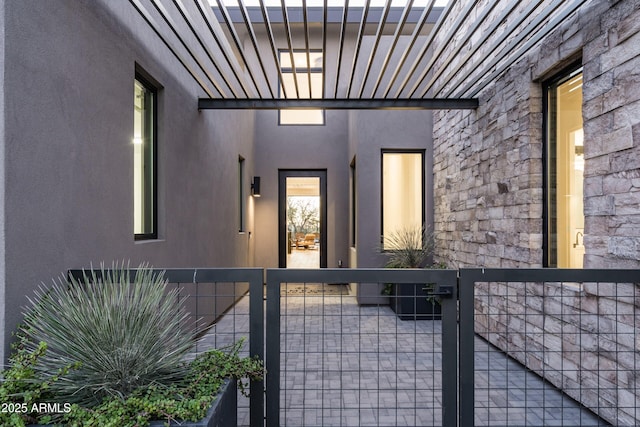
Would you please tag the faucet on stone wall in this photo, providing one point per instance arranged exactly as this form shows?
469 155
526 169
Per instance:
578 235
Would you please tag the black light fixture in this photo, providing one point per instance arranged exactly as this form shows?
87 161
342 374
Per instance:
255 186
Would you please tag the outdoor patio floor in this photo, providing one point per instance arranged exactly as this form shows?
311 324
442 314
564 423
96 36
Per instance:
346 365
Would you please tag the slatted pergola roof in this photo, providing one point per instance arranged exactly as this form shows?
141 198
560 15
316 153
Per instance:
381 54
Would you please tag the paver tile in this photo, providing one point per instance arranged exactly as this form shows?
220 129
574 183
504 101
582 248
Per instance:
362 366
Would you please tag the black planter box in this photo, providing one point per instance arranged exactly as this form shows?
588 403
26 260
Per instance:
410 302
223 411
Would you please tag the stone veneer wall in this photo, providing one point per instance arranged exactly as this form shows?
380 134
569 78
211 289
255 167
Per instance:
488 179
489 207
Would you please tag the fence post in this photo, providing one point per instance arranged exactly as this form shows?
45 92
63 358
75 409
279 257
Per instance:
449 353
273 349
466 358
256 345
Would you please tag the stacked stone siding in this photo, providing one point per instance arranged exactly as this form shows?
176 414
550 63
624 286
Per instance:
581 338
611 114
488 201
488 179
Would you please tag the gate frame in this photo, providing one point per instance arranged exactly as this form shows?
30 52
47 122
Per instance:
466 289
458 306
255 278
442 278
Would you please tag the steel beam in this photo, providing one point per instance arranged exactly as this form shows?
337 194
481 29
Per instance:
217 32
535 37
289 35
465 42
168 19
254 42
396 37
343 29
372 54
486 34
305 20
339 104
144 13
506 57
324 49
449 37
354 62
188 19
405 53
272 43
425 47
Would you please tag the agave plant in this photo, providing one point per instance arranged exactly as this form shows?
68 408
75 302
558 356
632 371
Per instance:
408 247
125 332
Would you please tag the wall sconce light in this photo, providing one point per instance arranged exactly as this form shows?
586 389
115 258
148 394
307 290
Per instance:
255 186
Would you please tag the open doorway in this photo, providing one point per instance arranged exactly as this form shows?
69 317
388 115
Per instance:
302 219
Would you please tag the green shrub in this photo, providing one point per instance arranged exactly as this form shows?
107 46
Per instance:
111 349
20 390
187 399
124 332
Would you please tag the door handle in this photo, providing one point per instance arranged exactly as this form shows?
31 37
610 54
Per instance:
443 291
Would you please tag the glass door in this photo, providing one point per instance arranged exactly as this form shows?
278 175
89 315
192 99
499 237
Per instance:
302 210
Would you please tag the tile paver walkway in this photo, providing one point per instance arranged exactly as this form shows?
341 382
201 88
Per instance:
349 365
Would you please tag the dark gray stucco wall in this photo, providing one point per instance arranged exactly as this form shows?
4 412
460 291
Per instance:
362 134
2 169
371 132
68 81
332 147
302 147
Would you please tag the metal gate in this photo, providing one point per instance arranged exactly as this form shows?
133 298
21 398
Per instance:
512 346
549 347
333 361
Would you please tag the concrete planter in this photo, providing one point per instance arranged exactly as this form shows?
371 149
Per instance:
409 302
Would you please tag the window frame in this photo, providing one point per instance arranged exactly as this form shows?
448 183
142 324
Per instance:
423 199
242 196
153 194
353 205
298 71
549 161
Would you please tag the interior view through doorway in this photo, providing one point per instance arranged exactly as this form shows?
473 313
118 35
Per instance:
302 219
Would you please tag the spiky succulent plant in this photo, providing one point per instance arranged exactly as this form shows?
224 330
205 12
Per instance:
408 247
125 331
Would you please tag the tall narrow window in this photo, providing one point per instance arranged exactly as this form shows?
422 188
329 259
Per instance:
144 163
302 79
565 172
402 191
242 202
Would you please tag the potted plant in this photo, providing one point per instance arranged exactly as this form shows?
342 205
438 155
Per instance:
411 247
113 350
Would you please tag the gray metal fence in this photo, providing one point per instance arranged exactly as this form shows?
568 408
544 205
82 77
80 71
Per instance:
332 361
225 305
511 347
568 340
